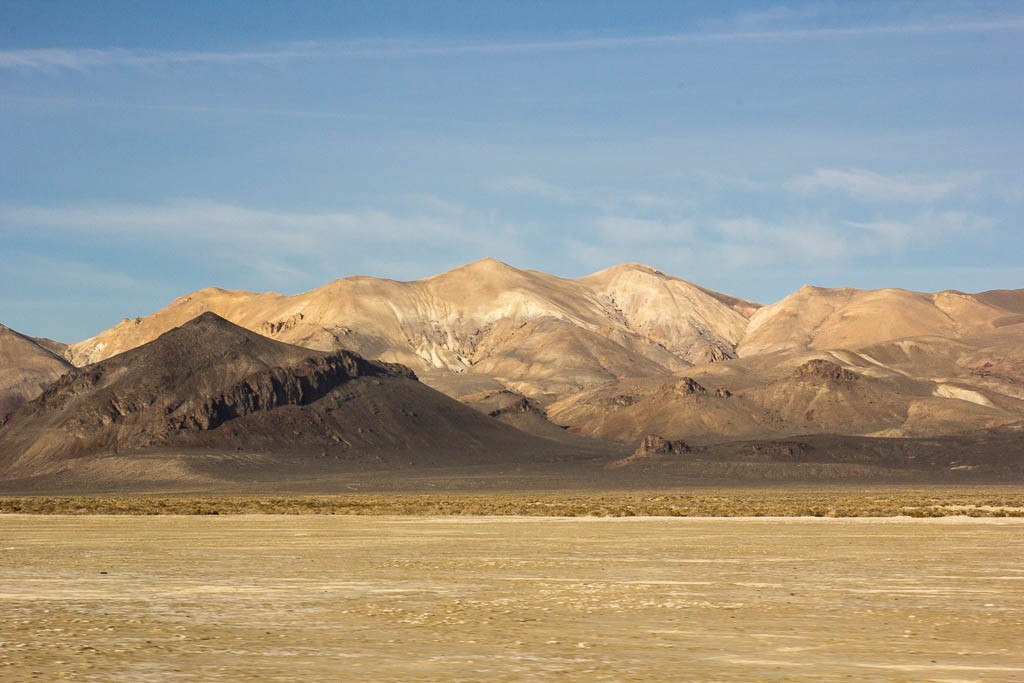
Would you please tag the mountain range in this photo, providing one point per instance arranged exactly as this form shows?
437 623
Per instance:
555 365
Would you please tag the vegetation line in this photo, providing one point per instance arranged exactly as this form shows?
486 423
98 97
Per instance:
726 503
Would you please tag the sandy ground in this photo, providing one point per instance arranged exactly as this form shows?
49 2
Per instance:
318 598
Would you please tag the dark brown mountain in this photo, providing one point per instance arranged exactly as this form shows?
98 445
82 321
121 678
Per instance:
210 398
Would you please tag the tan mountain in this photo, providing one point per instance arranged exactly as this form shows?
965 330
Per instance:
888 363
537 334
27 365
815 318
948 338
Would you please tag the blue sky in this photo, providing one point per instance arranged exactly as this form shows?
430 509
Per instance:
151 149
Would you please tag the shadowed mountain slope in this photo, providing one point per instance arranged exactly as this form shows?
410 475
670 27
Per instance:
27 365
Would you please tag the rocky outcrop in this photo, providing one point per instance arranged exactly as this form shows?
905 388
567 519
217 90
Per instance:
272 328
521 405
820 370
689 387
653 444
774 450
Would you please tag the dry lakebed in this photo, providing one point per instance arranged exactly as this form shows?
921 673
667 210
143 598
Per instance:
392 598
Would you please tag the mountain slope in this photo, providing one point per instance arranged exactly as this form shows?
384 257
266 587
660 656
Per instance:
815 318
212 387
473 320
776 395
605 354
26 367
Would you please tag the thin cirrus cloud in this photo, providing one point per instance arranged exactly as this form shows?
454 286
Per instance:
631 230
93 58
216 222
83 59
745 242
67 274
735 244
877 187
274 112
251 248
606 200
888 235
291 248
749 241
536 187
820 242
708 248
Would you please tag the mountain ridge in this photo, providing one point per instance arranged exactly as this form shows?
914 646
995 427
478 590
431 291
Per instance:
469 316
601 355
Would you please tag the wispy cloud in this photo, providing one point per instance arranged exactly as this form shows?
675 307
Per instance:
819 242
631 230
733 182
888 235
749 243
538 188
80 103
208 221
870 186
47 272
606 200
774 15
288 248
82 59
86 59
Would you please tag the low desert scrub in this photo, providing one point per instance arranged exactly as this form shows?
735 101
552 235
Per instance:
881 502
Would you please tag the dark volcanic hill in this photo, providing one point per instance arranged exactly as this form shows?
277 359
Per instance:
210 387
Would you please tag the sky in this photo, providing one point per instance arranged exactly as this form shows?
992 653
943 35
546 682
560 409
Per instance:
150 149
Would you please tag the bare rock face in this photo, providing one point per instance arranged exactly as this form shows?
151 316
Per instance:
775 450
689 386
653 444
819 370
502 403
685 387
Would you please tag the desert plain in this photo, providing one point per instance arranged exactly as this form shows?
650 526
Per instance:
510 598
